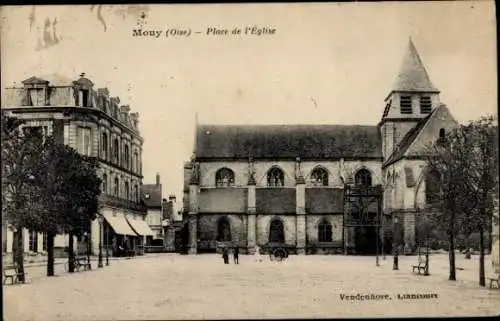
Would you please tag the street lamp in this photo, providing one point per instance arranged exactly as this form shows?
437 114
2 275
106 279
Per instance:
426 271
107 245
100 218
87 245
395 244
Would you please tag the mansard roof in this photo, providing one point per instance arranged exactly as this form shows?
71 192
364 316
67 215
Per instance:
34 81
287 141
151 195
412 75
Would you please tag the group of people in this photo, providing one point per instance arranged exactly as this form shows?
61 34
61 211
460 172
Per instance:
225 255
236 252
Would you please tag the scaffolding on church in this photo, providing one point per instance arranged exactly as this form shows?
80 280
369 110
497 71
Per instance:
363 209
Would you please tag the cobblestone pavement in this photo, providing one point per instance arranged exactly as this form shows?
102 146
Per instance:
169 286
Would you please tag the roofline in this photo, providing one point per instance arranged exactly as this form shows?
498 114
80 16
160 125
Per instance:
294 158
433 113
385 165
62 109
400 120
435 91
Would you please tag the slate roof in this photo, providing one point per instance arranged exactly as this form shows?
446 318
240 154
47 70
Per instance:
35 80
412 75
154 192
287 141
407 141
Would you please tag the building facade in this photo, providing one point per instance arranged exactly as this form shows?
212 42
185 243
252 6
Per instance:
93 123
312 188
153 199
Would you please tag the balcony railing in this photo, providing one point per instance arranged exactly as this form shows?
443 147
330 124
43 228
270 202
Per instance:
121 203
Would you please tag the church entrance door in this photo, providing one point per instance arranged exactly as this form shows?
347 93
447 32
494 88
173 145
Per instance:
365 238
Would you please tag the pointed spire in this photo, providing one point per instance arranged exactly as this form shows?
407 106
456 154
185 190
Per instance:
412 75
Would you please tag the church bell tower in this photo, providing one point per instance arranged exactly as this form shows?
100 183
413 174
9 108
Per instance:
412 98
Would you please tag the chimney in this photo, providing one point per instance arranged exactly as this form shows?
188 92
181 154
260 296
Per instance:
135 118
115 100
125 109
103 92
157 179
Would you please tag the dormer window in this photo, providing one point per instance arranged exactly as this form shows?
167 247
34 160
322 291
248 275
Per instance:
36 97
425 105
405 105
83 98
35 92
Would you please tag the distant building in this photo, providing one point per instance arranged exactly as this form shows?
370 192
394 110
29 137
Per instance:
302 186
172 224
152 196
92 122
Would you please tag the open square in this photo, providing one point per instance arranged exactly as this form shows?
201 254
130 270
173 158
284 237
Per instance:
200 287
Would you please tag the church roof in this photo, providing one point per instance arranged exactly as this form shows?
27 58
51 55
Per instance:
412 75
287 141
407 140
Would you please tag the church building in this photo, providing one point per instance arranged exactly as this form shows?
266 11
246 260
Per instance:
318 188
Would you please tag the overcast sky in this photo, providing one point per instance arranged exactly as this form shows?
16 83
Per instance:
326 63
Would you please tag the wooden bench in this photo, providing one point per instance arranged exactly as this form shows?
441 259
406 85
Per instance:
11 272
495 280
420 267
83 262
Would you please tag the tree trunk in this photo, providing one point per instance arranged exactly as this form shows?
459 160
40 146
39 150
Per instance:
490 235
71 254
19 253
50 253
451 254
482 279
467 250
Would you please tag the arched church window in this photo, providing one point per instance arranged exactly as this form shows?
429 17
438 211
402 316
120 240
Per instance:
275 177
432 187
325 231
363 177
319 177
223 230
276 231
224 177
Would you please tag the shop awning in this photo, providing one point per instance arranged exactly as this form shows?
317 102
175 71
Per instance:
141 227
119 224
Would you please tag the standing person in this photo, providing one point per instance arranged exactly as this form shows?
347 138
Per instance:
225 255
236 254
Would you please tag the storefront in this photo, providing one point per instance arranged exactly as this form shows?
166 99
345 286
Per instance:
119 238
142 229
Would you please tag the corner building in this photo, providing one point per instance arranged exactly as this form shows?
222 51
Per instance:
92 122
306 186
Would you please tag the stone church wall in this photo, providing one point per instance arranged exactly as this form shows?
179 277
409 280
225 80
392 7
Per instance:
263 224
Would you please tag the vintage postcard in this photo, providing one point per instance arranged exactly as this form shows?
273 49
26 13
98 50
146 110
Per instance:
249 161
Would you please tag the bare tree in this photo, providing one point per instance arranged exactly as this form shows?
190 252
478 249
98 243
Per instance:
466 161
